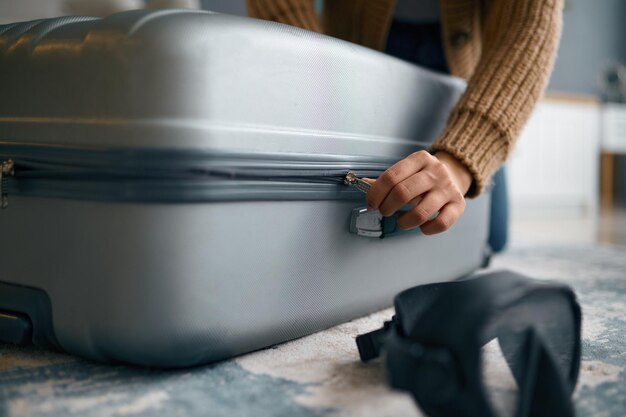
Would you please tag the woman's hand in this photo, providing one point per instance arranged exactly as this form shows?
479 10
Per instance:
431 183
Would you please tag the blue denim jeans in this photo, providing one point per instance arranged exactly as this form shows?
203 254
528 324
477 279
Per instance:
499 219
421 45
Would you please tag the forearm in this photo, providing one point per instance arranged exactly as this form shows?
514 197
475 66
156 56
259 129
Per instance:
521 39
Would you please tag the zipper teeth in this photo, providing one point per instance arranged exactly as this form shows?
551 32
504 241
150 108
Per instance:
178 184
303 172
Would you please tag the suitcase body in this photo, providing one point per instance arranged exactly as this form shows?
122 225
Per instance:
176 194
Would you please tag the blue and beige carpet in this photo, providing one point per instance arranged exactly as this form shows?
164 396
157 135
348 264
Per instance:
319 375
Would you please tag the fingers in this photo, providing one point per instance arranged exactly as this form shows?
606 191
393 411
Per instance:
422 212
406 192
447 216
424 182
395 175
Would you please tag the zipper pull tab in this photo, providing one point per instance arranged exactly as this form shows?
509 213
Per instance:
355 182
7 169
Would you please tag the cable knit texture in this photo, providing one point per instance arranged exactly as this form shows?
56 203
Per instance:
504 48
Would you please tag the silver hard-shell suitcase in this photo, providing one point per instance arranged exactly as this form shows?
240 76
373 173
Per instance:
173 183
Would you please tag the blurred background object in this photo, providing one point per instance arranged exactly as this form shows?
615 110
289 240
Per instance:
99 7
613 83
567 175
20 10
173 4
568 172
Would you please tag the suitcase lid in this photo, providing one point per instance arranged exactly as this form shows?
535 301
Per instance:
195 80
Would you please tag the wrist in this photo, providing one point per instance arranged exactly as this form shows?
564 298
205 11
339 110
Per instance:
459 172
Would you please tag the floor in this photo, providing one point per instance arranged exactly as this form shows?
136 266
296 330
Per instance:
608 227
320 375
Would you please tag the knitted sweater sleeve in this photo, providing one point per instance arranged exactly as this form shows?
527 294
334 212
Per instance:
299 13
519 44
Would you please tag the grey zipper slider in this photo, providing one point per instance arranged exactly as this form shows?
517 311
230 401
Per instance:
6 170
355 182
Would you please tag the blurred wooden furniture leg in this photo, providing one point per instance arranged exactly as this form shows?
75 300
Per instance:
607 164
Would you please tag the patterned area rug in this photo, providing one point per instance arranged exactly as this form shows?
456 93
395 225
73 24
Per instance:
319 375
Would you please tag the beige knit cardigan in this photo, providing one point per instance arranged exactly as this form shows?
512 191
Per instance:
504 48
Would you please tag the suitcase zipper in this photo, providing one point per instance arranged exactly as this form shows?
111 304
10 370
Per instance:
212 178
7 169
